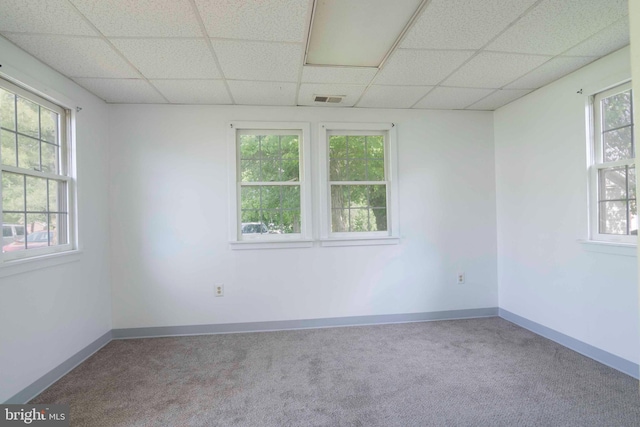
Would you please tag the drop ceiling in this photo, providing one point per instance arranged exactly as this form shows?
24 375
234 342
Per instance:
456 54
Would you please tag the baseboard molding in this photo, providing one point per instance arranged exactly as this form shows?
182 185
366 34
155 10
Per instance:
285 325
604 357
59 371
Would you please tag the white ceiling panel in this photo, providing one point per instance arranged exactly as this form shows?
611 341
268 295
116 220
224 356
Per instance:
554 26
273 20
494 70
452 98
462 24
43 17
75 57
420 67
393 96
498 99
134 18
170 58
263 93
338 75
309 90
193 91
240 60
606 41
550 71
126 91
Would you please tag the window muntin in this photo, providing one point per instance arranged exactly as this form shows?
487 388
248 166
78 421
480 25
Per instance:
614 207
357 181
35 173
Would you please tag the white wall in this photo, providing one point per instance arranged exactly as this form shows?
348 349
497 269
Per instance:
544 273
48 315
169 222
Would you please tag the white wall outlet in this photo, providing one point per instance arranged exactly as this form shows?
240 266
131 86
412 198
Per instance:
219 290
461 278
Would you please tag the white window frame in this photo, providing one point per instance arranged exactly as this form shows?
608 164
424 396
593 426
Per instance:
389 237
68 174
270 241
596 164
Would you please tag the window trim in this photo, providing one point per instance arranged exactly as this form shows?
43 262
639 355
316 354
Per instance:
270 241
596 164
328 238
66 132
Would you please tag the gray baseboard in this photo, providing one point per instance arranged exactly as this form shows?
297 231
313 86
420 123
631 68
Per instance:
604 357
59 371
284 325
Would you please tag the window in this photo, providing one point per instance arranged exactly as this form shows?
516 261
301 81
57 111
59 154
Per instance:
272 201
36 179
359 183
614 214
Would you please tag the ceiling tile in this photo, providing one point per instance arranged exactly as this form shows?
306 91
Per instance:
263 93
170 58
133 18
462 24
606 41
550 71
309 90
42 17
125 91
553 26
339 75
452 98
494 70
420 67
273 20
393 96
259 61
75 57
498 99
193 91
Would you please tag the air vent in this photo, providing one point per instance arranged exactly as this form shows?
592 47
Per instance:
333 99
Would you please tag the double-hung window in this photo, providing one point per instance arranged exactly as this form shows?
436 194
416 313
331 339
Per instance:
614 213
37 213
270 176
358 179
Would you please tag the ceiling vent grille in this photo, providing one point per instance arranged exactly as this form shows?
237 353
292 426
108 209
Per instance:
332 99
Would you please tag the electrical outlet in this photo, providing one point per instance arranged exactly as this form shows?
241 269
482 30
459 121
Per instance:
219 290
460 278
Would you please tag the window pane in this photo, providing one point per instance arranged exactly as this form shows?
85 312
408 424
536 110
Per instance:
251 223
633 217
14 240
338 147
289 146
613 183
49 157
290 221
338 170
358 196
359 219
357 170
270 170
8 142
28 117
7 110
375 146
273 220
12 192
269 146
632 182
356 147
290 170
28 153
616 110
339 196
270 197
36 194
378 219
291 197
48 125
375 171
249 147
37 231
250 170
613 217
58 229
339 220
617 144
250 198
378 196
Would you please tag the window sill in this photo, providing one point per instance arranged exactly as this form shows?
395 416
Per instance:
612 248
26 265
266 244
372 241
